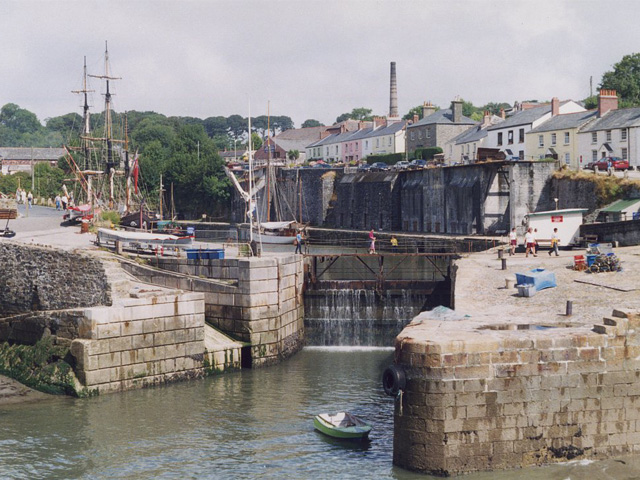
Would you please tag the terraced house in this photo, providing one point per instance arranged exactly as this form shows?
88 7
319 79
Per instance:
558 137
614 133
437 128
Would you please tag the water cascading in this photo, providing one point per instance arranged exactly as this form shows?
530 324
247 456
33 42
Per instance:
359 317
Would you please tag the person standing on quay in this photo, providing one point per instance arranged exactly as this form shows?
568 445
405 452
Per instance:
555 240
30 199
530 242
372 242
394 243
299 242
513 241
58 202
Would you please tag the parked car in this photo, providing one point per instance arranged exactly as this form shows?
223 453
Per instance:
365 167
401 165
417 163
616 163
379 167
322 165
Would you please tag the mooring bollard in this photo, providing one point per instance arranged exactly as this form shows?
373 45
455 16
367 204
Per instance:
569 308
504 264
501 253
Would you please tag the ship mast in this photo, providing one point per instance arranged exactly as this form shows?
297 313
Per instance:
108 128
86 124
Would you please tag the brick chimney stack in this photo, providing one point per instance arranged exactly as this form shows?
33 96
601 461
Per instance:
415 118
607 100
428 109
503 114
555 106
379 122
486 119
393 93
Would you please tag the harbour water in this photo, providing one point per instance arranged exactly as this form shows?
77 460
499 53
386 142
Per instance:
244 425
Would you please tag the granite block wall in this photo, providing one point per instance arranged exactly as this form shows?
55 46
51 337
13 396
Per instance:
479 397
254 300
141 341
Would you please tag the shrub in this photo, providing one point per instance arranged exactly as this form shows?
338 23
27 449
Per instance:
426 153
389 158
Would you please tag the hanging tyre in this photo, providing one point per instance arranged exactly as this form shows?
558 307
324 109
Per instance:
394 379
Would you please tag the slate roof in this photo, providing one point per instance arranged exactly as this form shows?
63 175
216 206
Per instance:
21 153
565 121
476 132
389 129
523 117
622 118
443 116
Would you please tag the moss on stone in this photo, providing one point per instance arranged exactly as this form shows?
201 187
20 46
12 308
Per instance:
42 366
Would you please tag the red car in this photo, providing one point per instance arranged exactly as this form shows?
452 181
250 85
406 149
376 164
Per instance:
615 162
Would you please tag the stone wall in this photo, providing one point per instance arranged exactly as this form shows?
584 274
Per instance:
34 278
142 341
481 396
625 233
254 300
531 190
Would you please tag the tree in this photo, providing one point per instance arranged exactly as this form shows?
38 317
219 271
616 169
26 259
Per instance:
625 80
590 102
494 108
293 155
19 119
311 123
256 141
196 170
360 113
417 110
236 126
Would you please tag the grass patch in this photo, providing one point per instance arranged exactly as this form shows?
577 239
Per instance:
607 188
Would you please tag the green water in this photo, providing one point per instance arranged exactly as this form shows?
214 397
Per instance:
250 424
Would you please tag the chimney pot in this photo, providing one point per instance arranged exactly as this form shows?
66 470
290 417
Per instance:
555 106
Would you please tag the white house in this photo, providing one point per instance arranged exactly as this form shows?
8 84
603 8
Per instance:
510 135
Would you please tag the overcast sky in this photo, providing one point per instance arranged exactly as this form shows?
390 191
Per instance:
310 59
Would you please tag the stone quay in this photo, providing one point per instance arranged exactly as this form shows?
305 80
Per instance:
508 381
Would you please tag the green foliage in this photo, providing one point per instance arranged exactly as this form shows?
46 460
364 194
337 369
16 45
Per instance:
200 184
9 183
389 158
110 216
311 123
360 113
417 110
625 79
256 141
591 102
293 155
47 180
607 189
426 153
41 366
494 108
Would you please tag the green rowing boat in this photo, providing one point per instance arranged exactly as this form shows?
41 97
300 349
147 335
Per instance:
342 425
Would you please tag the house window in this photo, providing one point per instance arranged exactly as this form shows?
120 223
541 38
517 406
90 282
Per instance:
623 135
427 133
336 149
366 144
327 151
521 154
521 135
625 155
594 137
566 138
356 145
510 137
499 138
541 140
378 142
412 136
390 141
420 134
594 155
467 149
608 135
553 139
474 149
567 158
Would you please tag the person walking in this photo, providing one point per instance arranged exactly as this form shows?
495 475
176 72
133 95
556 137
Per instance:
299 242
530 242
64 201
23 196
30 198
555 240
372 242
513 241
58 202
535 240
394 243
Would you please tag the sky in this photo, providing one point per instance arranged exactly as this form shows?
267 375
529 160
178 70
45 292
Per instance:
307 59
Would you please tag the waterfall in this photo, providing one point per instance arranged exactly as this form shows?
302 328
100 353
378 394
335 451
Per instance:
358 317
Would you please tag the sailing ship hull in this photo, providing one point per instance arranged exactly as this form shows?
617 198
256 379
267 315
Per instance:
142 239
275 239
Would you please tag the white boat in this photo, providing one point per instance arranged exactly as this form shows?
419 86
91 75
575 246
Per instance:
76 214
142 240
283 233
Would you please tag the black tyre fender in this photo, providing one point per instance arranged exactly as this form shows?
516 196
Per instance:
394 379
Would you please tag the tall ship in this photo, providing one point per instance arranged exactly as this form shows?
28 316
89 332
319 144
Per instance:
100 160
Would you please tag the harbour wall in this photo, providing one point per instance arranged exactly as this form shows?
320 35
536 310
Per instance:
483 396
254 300
471 199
